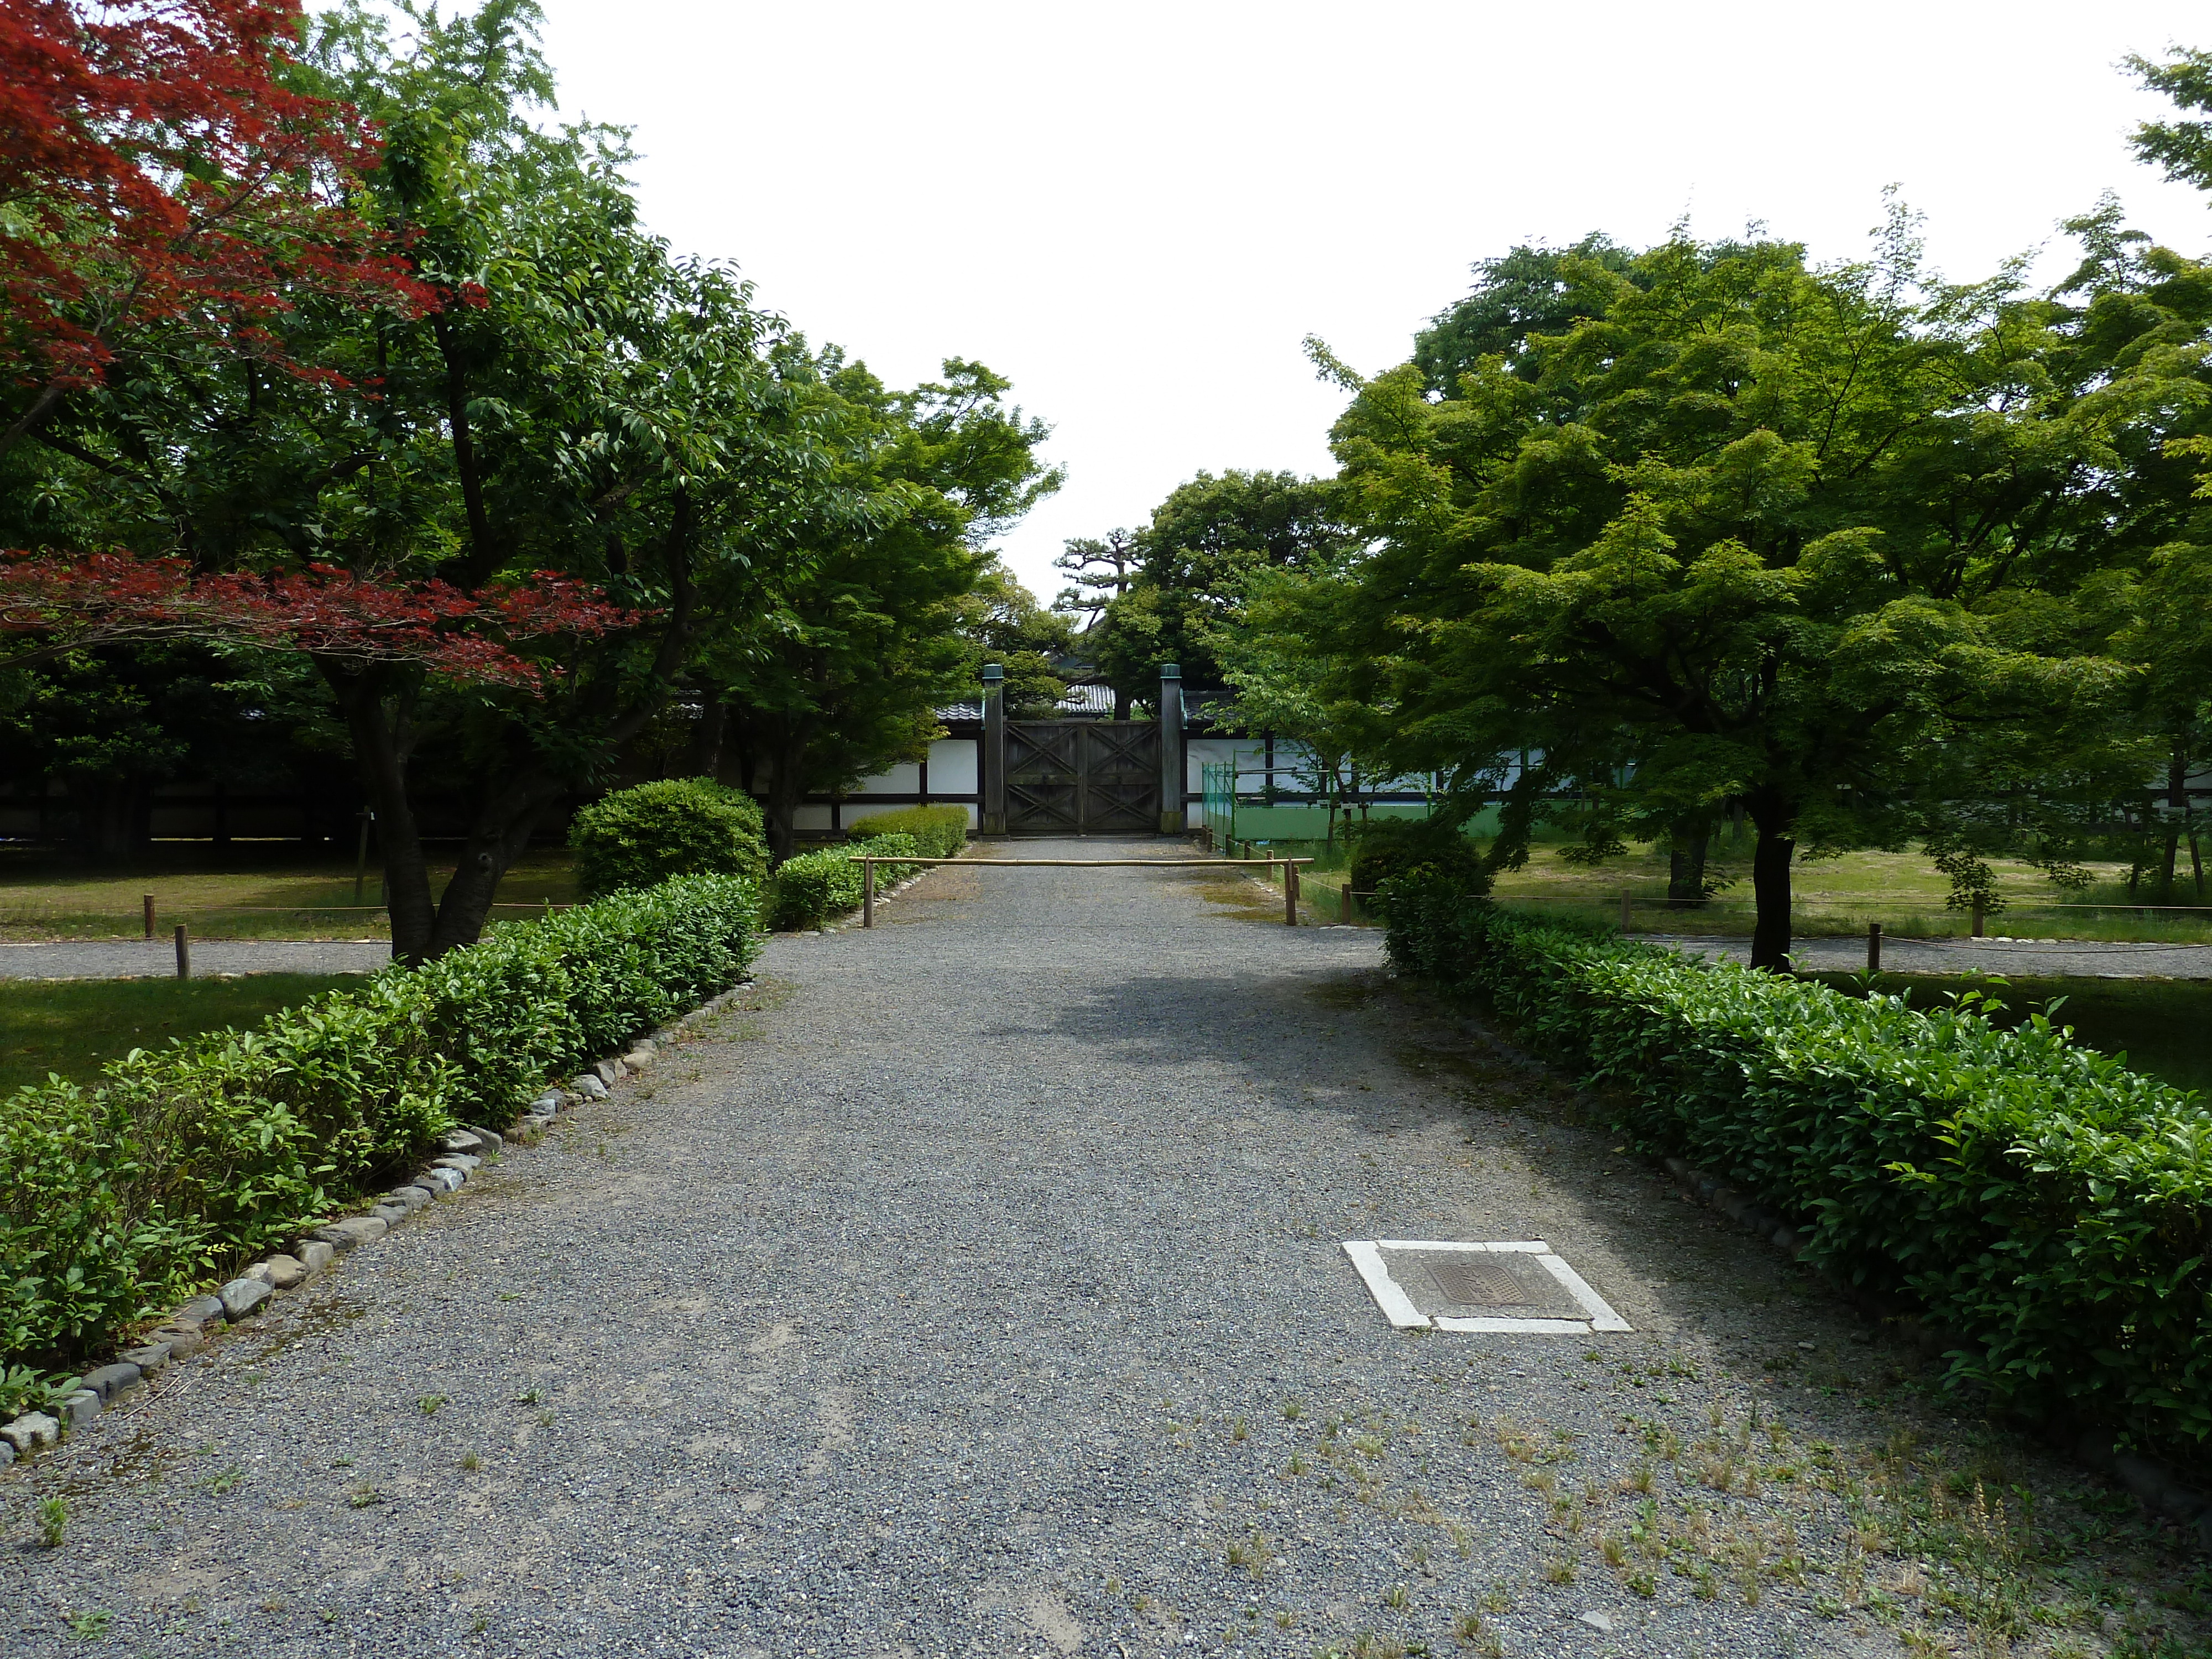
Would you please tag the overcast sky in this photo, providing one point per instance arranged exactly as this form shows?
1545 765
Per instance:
1136 211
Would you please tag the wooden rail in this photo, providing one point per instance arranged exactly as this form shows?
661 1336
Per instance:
868 863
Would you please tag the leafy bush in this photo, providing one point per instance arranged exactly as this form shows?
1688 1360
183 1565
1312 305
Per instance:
809 890
939 832
118 1200
675 827
1388 849
2041 1202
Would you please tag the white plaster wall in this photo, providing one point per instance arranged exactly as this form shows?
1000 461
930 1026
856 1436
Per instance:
953 767
904 779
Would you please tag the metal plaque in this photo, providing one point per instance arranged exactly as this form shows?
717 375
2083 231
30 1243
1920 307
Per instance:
1467 1282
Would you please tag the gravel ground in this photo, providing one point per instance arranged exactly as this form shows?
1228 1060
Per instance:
976 1288
157 958
2088 958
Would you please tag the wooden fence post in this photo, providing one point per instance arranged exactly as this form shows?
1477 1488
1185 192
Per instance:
1874 947
148 902
183 950
1290 894
867 892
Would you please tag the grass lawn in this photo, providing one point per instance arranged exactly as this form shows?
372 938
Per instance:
42 897
75 1026
1833 897
2163 1026
2159 1025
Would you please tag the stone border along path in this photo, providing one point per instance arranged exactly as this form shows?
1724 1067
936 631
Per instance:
973 1284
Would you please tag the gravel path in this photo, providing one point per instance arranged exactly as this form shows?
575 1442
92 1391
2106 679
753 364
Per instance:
2086 958
977 1289
157 958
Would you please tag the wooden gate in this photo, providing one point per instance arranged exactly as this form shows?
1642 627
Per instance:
1083 777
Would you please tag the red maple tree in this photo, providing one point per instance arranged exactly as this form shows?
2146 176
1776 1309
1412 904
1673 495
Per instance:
154 167
51 606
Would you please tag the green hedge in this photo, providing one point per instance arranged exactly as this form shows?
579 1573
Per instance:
937 832
808 891
640 836
118 1199
2043 1205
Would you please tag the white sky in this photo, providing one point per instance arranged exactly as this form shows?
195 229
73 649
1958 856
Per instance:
1136 210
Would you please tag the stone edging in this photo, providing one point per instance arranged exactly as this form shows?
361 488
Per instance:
188 1331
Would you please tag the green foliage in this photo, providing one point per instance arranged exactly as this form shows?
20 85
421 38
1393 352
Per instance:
808 891
641 837
2045 1205
861 654
1002 622
1517 297
937 832
72 1027
1388 849
116 1200
2184 148
1204 542
1747 529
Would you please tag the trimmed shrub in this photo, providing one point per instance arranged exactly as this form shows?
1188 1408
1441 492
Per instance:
116 1200
808 891
2045 1205
640 836
937 832
1388 849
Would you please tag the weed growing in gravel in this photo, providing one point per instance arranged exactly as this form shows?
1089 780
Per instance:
53 1523
91 1625
1254 1554
1476 1636
470 1462
224 1480
361 1497
429 1403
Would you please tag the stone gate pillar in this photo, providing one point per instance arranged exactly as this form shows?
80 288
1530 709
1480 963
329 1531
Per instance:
1172 781
990 770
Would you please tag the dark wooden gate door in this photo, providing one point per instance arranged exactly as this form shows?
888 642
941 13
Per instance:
1075 777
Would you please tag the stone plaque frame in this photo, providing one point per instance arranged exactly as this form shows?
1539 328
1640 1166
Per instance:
1398 1299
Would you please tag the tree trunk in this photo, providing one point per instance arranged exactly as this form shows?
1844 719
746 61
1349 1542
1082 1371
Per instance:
704 759
43 409
786 788
499 834
1686 869
379 751
1121 704
1770 886
2176 801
